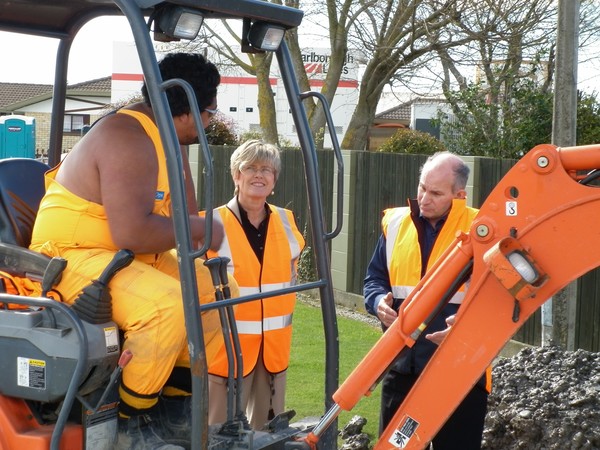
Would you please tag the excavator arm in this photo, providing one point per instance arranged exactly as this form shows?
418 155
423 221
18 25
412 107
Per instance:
534 234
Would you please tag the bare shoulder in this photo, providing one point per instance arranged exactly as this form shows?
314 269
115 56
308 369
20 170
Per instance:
120 136
116 148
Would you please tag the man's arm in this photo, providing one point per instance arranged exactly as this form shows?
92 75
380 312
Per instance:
115 165
377 283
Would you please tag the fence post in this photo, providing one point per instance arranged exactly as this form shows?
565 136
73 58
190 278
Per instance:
341 244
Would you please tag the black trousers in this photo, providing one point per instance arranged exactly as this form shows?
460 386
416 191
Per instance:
462 431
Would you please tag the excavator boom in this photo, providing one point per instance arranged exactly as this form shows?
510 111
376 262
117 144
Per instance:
527 245
524 245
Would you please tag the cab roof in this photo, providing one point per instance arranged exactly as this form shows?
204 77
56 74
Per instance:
63 18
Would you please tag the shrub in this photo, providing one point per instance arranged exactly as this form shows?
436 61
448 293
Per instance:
221 131
413 142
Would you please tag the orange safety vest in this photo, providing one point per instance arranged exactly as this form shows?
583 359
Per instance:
266 323
403 252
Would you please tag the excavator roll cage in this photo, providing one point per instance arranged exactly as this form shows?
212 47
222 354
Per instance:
62 20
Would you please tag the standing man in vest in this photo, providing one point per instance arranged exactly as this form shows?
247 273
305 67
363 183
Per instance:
413 238
112 192
263 244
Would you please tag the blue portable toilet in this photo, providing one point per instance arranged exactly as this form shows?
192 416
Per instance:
17 136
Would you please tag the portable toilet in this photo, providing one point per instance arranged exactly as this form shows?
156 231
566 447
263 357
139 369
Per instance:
17 136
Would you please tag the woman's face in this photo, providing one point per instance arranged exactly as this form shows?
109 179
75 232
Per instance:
255 180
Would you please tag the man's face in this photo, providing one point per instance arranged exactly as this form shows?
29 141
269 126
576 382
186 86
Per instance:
187 133
435 193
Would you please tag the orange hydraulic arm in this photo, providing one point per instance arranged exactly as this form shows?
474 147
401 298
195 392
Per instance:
534 234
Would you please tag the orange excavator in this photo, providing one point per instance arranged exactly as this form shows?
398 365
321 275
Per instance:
59 364
520 250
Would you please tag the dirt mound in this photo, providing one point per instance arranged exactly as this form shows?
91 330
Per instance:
545 399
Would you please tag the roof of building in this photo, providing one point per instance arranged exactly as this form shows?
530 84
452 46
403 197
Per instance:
24 93
402 112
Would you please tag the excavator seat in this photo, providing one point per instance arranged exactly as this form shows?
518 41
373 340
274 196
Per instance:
21 189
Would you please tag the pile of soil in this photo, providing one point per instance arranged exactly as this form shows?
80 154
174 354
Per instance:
544 398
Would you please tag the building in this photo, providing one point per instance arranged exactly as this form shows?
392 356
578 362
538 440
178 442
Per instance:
238 92
86 102
416 114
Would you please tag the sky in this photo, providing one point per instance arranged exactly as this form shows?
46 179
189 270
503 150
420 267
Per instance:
28 59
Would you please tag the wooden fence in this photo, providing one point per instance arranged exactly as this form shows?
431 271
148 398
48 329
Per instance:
375 181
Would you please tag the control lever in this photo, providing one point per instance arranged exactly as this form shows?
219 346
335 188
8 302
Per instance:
115 377
52 274
94 303
223 275
218 272
213 265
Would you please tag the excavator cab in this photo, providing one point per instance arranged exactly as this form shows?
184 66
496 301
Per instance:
60 364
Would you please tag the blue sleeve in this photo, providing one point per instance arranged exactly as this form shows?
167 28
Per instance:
377 281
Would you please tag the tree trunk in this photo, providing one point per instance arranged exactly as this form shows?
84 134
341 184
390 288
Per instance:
266 100
357 133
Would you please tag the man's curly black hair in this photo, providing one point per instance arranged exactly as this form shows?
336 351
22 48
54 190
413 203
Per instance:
202 75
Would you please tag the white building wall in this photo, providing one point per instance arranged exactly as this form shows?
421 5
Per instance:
237 95
426 111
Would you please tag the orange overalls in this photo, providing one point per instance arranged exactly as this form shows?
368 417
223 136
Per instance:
146 296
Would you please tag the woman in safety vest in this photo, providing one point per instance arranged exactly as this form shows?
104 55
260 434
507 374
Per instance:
263 244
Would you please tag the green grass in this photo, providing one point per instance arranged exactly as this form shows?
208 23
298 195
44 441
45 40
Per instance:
305 384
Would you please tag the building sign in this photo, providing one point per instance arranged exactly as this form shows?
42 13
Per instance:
317 62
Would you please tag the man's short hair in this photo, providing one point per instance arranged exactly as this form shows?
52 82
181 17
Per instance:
200 73
459 168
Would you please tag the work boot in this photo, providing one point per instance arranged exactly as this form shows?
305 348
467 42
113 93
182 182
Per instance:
141 433
174 417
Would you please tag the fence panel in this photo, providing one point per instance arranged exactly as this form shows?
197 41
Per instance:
383 180
587 333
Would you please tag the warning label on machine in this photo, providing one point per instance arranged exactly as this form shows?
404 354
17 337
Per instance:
31 373
111 336
403 434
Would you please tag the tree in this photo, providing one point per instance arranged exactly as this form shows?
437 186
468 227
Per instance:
519 122
588 119
399 36
528 122
508 107
221 131
416 44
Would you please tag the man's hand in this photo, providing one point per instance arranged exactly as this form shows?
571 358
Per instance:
439 336
199 232
218 233
385 313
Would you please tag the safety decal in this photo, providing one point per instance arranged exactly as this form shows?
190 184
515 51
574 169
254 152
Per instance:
111 336
511 208
403 434
31 373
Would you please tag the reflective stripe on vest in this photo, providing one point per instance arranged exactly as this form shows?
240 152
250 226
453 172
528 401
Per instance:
403 291
289 233
268 324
